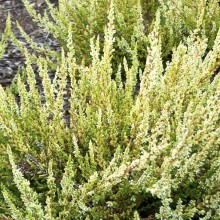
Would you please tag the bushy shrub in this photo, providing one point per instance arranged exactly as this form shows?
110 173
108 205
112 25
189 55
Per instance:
93 146
88 18
180 18
133 23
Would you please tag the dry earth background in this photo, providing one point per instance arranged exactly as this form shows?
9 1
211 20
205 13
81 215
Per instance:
13 58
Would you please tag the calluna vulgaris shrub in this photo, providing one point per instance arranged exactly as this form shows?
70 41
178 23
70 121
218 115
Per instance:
133 23
180 17
95 146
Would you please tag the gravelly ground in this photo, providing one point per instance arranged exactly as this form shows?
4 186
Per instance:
13 58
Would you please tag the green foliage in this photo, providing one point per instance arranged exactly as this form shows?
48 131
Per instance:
87 19
133 22
93 146
180 18
4 37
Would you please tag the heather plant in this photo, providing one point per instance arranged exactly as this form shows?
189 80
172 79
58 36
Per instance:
4 37
5 169
134 21
88 18
93 146
179 18
2 46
